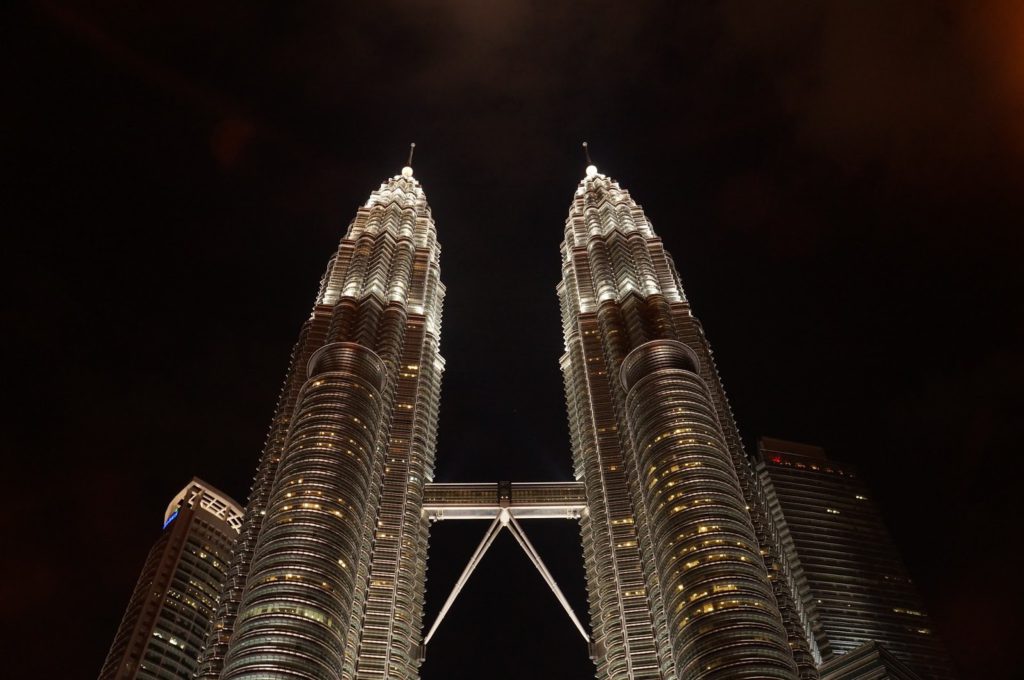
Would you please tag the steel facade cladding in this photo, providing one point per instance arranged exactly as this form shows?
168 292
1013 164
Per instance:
165 625
675 561
328 578
853 576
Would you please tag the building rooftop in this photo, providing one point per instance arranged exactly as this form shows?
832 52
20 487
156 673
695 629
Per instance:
208 498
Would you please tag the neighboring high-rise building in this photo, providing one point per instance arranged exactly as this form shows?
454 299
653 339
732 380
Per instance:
328 575
164 627
676 546
852 577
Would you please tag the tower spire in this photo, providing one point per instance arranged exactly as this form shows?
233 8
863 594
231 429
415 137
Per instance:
591 168
407 170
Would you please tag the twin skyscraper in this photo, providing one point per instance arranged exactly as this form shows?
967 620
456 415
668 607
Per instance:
687 574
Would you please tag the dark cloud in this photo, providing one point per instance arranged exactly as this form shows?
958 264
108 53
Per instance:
229 140
867 81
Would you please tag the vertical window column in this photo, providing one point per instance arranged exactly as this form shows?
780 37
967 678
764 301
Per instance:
293 618
722 619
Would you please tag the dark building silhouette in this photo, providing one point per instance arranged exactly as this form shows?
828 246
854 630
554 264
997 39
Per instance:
165 625
851 577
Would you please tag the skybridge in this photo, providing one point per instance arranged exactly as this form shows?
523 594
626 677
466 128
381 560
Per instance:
504 503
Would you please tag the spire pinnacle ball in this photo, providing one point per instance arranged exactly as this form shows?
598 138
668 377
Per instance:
591 170
407 171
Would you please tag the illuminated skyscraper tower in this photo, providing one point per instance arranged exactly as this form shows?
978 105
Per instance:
675 546
332 552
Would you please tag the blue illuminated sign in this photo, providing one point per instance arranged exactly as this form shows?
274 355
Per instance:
171 518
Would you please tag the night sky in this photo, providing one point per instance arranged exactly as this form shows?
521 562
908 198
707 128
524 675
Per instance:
841 185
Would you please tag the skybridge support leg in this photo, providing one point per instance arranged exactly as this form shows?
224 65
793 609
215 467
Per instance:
504 519
489 537
534 556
